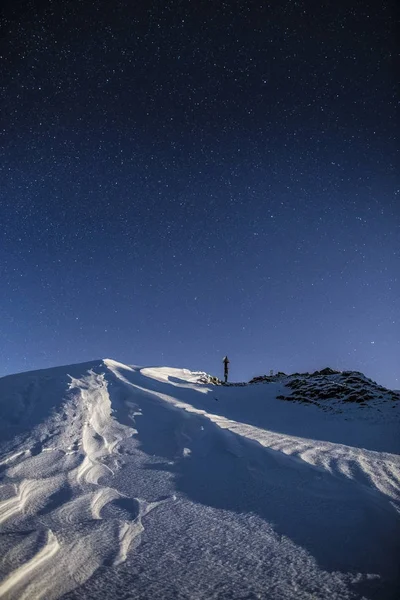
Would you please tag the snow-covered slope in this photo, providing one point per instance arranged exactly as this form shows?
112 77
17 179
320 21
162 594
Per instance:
129 482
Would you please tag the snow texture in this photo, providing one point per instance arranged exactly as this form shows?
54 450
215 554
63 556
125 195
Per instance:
141 483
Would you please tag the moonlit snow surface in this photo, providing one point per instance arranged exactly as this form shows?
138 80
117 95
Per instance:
142 483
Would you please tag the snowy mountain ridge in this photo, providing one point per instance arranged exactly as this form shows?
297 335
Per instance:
113 477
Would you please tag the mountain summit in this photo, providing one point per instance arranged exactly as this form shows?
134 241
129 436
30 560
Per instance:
127 482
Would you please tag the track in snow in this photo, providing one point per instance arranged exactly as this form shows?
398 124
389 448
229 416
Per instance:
73 496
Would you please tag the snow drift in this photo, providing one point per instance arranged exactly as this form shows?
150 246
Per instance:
120 481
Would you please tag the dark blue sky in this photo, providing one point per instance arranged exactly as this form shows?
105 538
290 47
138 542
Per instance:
186 180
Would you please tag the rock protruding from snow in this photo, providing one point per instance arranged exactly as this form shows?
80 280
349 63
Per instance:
329 389
335 388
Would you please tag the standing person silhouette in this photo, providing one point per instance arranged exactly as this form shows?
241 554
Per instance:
226 363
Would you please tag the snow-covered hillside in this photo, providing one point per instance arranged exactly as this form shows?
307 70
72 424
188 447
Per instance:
142 483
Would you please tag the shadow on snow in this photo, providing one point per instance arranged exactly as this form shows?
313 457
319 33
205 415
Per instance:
343 525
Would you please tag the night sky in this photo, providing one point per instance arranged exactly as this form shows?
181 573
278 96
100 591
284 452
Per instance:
183 180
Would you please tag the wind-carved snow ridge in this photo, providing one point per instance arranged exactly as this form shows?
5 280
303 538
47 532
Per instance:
74 498
378 471
20 581
100 433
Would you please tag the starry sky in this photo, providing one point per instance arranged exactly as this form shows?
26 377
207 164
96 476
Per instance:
182 180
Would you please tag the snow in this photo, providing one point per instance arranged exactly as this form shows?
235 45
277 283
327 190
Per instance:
121 481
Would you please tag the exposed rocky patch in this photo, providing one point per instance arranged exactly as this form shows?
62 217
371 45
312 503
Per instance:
207 379
329 388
